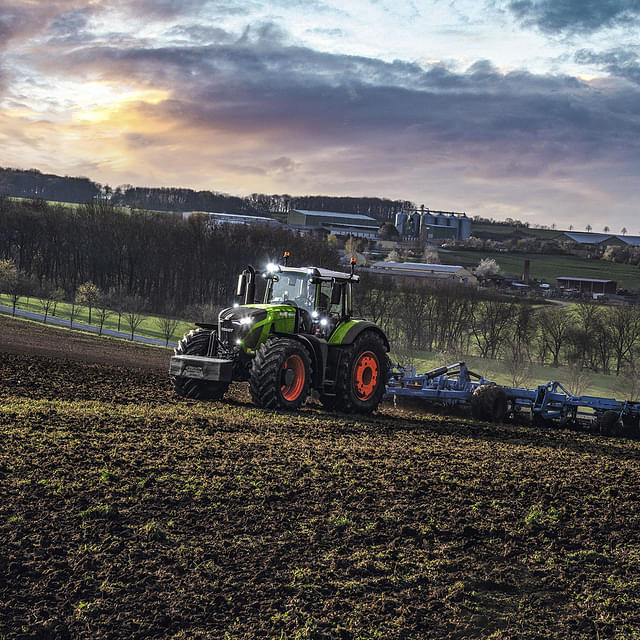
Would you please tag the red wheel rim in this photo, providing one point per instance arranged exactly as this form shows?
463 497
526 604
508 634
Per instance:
294 363
365 375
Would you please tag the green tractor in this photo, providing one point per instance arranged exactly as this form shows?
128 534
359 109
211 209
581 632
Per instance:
301 338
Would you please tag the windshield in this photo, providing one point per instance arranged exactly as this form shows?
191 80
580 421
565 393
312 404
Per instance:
293 287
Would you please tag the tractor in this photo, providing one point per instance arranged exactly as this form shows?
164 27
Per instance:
301 338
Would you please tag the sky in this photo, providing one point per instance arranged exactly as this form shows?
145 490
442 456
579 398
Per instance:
526 109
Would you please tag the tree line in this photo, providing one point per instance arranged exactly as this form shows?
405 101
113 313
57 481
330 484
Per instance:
169 263
457 319
34 184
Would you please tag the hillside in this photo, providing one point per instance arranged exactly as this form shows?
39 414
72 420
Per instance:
547 268
127 512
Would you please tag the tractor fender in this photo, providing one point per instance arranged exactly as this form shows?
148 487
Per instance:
318 352
206 325
355 330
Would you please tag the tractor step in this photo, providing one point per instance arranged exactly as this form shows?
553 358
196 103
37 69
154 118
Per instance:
201 368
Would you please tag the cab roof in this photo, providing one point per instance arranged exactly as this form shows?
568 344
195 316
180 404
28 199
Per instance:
325 274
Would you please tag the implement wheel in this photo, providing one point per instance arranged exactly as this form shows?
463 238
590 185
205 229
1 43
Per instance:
609 423
362 376
489 403
196 343
280 374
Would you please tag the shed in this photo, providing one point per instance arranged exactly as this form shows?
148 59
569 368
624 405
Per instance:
587 285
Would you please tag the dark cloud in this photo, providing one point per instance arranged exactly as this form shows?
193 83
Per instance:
199 34
576 16
296 98
22 19
70 23
171 9
623 63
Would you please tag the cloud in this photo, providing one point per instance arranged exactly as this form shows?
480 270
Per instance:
172 9
253 111
576 16
623 63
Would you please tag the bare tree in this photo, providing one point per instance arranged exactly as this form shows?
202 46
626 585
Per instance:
579 378
103 308
47 297
624 329
554 325
88 295
14 283
167 326
490 326
133 312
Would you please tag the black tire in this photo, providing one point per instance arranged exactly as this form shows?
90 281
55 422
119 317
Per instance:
196 343
280 376
609 423
489 403
361 377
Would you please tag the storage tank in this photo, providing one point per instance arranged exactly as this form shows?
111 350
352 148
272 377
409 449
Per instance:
401 222
464 228
441 220
427 220
415 224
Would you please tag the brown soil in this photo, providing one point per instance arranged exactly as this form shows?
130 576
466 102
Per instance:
128 513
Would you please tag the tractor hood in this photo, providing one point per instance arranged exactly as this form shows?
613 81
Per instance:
247 326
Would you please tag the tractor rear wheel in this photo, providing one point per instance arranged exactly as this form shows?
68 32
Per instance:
280 375
489 403
361 377
196 343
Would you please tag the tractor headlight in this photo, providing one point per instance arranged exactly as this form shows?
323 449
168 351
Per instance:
247 321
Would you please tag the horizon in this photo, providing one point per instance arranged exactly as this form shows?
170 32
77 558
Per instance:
522 109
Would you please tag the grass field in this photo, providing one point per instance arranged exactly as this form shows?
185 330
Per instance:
128 513
148 327
549 267
505 230
595 384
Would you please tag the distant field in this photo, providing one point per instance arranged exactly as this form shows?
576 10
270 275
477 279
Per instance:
549 267
505 229
597 384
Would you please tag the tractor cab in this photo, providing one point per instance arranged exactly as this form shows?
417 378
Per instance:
322 297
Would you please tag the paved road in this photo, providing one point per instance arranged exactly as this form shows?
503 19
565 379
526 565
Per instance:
81 326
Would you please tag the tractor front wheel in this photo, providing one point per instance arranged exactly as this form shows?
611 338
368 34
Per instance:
362 376
196 343
280 374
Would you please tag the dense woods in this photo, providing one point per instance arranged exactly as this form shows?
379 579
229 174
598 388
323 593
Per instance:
166 261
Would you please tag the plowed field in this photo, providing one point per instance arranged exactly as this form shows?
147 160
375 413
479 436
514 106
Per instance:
128 513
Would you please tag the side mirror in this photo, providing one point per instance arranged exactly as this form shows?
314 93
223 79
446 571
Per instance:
242 284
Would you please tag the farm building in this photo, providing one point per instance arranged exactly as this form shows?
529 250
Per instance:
596 241
351 224
588 285
214 219
424 270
